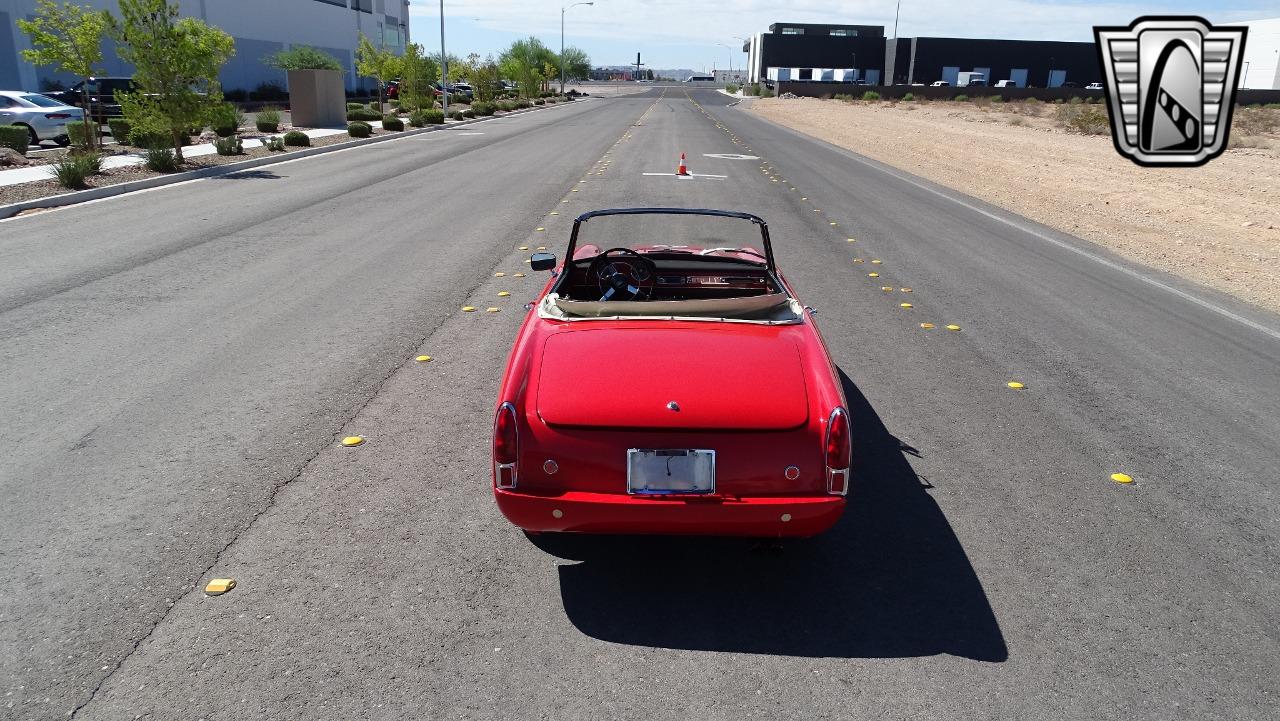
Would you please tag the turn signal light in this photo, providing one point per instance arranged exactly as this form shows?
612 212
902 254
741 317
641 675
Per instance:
506 443
837 452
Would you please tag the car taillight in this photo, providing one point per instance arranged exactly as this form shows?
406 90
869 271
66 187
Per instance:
57 116
836 449
506 442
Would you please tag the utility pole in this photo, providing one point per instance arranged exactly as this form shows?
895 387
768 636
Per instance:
444 66
895 19
562 9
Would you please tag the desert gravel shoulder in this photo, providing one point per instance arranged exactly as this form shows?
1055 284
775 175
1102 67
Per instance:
1218 225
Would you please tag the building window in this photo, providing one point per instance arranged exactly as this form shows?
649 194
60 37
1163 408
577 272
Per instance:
365 6
793 31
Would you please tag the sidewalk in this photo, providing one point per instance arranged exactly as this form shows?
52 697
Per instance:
17 176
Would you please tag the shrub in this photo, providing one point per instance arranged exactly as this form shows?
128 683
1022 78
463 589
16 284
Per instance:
909 97
302 57
353 106
297 139
80 131
1076 100
376 107
70 171
844 97
226 119
1032 101
14 136
1017 120
363 114
92 161
140 138
119 129
506 106
481 109
553 99
1083 119
391 122
161 160
359 129
230 145
871 95
268 120
417 119
766 93
468 113
731 87
433 116
961 98
996 99
274 143
540 101
455 115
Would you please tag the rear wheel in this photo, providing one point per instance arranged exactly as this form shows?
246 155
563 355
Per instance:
32 138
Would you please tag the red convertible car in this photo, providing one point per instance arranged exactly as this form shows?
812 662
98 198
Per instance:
668 381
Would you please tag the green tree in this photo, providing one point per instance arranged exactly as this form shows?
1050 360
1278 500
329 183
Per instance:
176 64
485 77
524 62
418 71
378 63
302 57
576 65
69 37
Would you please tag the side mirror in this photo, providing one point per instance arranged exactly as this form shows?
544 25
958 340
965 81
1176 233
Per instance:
542 261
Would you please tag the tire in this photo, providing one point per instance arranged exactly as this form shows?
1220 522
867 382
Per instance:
63 140
32 138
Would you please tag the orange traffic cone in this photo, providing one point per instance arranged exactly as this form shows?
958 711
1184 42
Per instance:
682 170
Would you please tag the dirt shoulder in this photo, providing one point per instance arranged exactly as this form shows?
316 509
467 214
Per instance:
1218 224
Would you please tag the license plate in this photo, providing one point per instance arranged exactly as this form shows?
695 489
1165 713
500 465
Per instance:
655 471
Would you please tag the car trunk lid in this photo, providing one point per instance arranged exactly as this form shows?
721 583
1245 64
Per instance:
629 377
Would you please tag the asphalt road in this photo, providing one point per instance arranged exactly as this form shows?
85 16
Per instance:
176 367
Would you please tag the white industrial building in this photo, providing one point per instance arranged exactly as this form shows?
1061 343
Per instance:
260 28
1260 66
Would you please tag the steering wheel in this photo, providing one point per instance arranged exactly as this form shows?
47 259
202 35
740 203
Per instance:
631 278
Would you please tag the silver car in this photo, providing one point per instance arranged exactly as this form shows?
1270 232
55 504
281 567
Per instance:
43 117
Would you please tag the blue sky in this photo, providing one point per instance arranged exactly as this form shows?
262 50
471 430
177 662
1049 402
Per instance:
680 33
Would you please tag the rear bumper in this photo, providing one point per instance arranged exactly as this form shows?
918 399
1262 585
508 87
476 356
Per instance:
579 512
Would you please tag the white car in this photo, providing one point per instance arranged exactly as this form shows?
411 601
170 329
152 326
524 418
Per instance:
940 84
1006 84
1093 86
43 117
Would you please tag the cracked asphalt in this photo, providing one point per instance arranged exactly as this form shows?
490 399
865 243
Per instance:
179 365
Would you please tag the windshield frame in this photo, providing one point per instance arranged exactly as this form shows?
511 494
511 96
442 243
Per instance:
585 217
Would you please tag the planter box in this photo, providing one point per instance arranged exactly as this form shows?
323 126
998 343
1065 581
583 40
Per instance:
317 99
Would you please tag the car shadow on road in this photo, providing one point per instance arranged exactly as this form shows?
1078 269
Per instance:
890 580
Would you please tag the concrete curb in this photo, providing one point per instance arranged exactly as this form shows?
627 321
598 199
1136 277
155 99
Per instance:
83 196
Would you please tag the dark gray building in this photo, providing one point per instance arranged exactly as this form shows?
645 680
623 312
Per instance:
846 53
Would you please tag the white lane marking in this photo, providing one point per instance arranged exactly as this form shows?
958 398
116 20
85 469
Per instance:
462 133
690 176
1207 305
731 156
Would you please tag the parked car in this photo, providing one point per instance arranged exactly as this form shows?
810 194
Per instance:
44 118
663 385
393 90
1094 86
1006 83
456 94
102 99
940 84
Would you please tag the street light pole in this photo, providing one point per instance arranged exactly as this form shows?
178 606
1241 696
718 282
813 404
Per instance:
562 9
444 66
895 19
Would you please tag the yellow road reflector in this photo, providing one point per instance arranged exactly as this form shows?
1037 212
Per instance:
833 222
565 200
542 247
540 230
423 359
1015 385
873 275
352 441
851 240
219 586
886 288
574 190
555 212
523 247
503 294
803 198
518 275
499 274
926 326
857 260
468 309
905 290
1121 478
816 210
953 327
491 309
905 305
877 262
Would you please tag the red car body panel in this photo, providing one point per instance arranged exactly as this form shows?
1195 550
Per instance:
585 391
